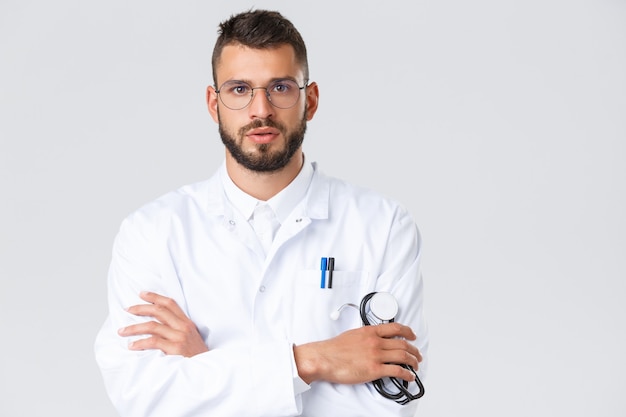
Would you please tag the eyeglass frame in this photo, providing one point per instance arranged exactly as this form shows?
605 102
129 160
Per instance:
267 93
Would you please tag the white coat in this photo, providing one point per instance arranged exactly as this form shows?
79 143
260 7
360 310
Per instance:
192 246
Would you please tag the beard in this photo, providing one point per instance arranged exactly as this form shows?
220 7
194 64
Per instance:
264 159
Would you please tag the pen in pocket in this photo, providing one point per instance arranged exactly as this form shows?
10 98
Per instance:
327 265
323 267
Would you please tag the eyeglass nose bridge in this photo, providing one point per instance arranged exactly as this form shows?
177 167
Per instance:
267 95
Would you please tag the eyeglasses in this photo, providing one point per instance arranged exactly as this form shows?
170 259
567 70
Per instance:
282 94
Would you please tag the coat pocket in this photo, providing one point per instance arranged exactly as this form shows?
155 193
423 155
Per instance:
313 306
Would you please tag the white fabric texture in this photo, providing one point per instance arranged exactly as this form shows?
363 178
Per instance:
265 225
252 302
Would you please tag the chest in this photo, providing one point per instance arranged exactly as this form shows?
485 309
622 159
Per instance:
234 293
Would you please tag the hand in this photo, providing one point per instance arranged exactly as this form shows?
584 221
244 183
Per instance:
360 355
172 332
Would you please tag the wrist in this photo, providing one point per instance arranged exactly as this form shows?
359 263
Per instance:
306 363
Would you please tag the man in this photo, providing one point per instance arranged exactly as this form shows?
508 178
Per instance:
218 305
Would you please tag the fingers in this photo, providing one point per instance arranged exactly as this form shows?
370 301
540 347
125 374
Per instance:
156 343
360 355
162 308
396 336
150 327
394 330
401 345
389 359
397 371
392 350
171 332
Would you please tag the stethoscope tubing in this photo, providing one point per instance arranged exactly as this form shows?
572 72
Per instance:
404 395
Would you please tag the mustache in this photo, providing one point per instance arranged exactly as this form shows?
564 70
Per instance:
257 123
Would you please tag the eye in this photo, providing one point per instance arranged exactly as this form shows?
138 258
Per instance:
282 87
237 88
240 89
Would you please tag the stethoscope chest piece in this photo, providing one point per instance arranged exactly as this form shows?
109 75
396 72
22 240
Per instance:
384 306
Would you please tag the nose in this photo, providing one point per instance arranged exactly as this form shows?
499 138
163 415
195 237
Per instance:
260 106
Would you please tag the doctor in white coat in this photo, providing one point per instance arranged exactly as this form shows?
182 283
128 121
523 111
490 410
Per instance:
218 304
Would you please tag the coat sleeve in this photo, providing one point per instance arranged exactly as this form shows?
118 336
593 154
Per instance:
231 380
402 276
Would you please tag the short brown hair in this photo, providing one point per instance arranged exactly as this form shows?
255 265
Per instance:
259 29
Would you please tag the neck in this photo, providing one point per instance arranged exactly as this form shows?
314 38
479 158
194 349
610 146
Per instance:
263 185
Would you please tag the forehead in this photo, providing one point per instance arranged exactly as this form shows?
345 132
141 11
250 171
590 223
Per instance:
238 62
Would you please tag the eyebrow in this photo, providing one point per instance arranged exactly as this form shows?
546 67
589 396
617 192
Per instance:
272 80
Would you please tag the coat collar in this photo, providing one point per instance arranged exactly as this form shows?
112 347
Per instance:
314 205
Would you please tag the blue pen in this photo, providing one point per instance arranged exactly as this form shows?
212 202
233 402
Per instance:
323 267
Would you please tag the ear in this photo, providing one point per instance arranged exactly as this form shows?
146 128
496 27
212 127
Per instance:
312 100
211 102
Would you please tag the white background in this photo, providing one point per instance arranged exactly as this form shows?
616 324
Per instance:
500 124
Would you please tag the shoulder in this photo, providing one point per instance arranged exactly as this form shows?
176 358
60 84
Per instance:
365 214
348 195
177 204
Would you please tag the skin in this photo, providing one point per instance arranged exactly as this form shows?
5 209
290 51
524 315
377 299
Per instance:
355 356
258 68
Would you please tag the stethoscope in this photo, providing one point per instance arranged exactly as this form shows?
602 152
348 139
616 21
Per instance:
378 308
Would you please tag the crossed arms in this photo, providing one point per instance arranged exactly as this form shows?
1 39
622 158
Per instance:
355 356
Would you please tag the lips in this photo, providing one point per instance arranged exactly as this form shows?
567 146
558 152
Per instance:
262 134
